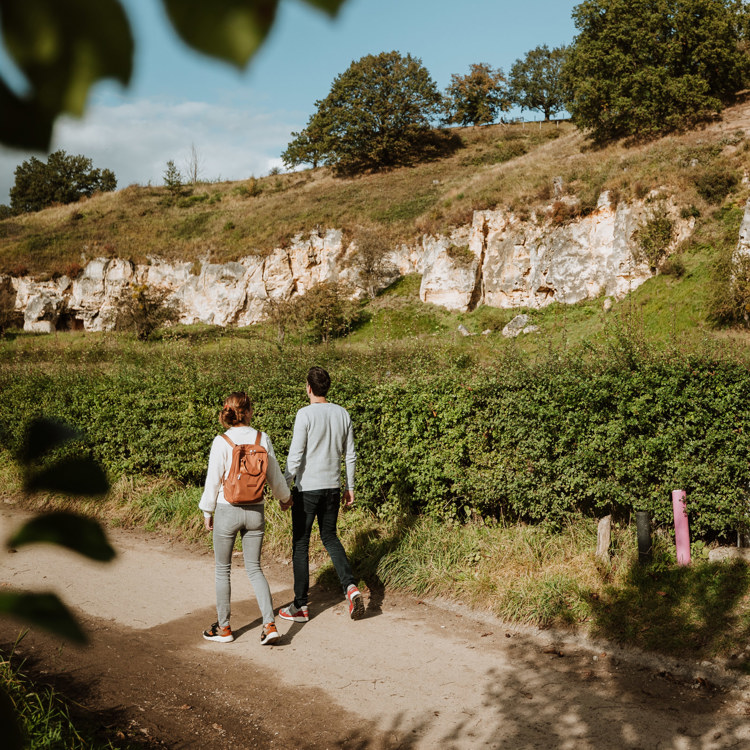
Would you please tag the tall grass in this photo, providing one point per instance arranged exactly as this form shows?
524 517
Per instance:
43 714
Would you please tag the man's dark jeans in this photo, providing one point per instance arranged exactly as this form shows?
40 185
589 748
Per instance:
323 505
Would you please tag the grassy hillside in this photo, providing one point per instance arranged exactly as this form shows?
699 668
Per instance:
499 166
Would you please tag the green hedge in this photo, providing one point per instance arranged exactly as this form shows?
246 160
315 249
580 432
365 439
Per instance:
533 442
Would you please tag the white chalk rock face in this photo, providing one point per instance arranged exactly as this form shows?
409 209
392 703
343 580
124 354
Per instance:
216 296
256 295
451 265
743 244
278 278
165 275
88 294
315 260
406 259
498 260
42 303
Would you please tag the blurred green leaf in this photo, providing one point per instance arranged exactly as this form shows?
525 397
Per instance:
71 476
62 47
43 610
69 530
329 6
43 435
23 123
12 737
231 30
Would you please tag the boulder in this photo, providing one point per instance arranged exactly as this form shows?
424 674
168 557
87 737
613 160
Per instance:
729 553
518 325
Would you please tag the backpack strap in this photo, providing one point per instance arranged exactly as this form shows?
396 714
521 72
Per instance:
258 436
224 435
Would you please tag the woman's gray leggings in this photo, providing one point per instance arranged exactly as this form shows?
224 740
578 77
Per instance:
249 521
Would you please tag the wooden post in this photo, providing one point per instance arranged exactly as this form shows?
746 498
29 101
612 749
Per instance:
603 538
643 529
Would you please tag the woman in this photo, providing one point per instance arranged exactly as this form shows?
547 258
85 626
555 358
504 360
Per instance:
227 520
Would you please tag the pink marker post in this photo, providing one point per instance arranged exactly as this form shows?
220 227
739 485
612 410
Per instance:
681 529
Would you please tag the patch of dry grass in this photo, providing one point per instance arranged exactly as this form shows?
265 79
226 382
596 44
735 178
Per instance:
499 166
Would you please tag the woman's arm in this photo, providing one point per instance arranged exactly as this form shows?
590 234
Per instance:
214 475
275 478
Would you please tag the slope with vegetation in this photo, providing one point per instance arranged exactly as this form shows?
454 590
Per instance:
505 456
498 166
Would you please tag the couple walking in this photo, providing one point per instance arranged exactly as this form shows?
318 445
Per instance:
322 434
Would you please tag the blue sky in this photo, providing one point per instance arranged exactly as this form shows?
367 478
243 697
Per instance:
240 121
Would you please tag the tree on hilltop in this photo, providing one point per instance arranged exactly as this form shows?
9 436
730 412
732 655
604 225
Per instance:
640 68
62 178
536 81
476 98
378 113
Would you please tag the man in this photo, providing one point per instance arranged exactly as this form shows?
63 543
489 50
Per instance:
322 434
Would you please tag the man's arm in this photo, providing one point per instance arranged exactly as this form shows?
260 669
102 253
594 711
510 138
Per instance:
350 461
297 448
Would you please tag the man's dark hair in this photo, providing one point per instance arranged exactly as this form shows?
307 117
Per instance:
319 381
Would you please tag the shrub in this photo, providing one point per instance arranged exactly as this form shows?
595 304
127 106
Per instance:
326 311
654 235
730 301
73 270
543 442
715 182
460 254
673 266
144 309
690 212
371 258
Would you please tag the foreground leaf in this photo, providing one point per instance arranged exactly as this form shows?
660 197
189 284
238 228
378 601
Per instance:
71 476
23 123
329 6
231 30
43 435
12 737
80 534
43 610
62 47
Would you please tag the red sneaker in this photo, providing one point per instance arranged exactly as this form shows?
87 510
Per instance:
293 614
356 605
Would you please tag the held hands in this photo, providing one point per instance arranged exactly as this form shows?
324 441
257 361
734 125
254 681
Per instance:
288 504
208 522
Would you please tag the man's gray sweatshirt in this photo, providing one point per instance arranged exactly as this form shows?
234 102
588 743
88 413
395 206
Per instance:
322 434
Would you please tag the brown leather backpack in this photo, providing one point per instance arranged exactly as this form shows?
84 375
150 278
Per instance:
246 478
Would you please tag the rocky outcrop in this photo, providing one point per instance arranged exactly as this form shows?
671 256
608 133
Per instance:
742 251
499 260
515 263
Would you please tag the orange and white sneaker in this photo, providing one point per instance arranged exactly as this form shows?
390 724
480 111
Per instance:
220 634
356 604
269 635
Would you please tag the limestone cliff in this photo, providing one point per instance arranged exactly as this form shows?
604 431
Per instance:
499 260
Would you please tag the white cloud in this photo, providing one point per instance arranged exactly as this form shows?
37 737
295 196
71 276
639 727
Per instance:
135 139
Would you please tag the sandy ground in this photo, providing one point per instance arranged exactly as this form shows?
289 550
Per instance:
411 674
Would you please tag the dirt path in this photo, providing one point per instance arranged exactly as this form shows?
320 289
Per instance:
410 675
